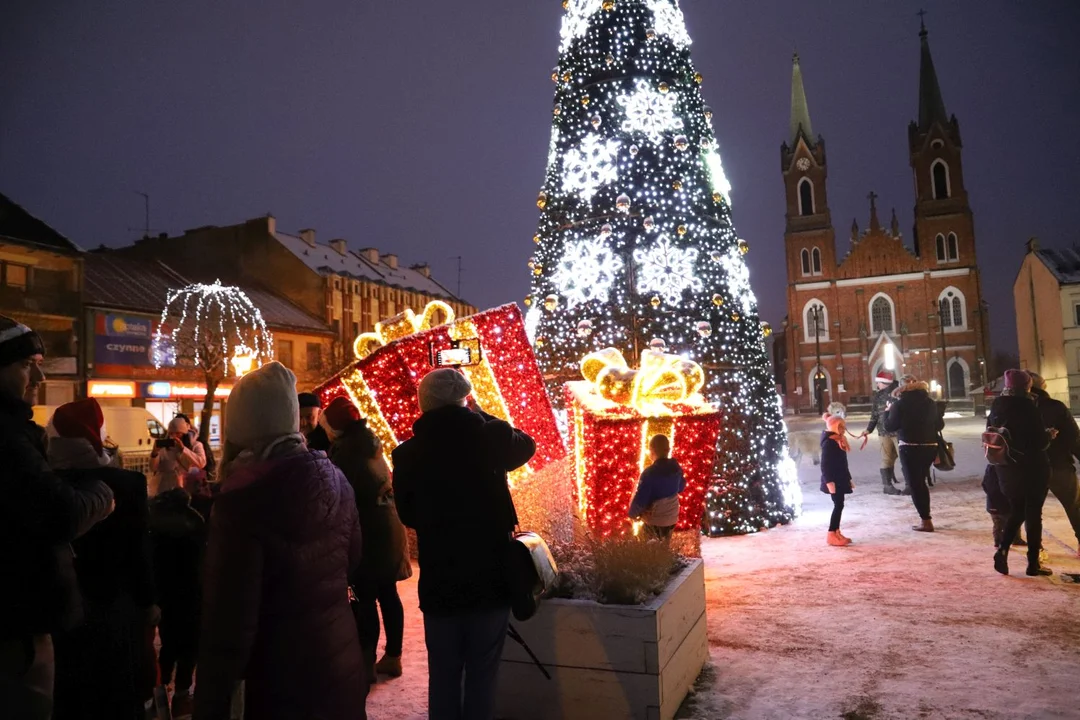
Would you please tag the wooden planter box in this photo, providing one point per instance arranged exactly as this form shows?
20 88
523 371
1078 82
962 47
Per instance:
608 661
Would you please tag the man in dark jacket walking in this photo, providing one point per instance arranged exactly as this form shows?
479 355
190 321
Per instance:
450 485
41 514
1063 448
1026 479
914 417
885 384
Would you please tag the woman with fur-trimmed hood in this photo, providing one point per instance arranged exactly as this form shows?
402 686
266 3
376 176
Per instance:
914 417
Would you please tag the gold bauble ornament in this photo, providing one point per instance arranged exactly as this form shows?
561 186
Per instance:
717 300
555 75
566 77
610 59
717 197
766 329
708 113
541 200
699 78
557 110
664 87
677 184
528 301
537 269
735 316
704 329
551 302
744 247
655 301
565 4
650 33
681 230
609 5
585 101
536 238
540 342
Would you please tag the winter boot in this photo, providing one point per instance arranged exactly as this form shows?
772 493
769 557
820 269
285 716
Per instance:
844 537
1001 560
1036 568
925 526
389 665
836 540
182 705
999 528
887 477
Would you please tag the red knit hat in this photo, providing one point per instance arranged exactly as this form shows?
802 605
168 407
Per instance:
340 413
81 419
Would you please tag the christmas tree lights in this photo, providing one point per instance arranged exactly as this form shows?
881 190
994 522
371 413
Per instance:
635 245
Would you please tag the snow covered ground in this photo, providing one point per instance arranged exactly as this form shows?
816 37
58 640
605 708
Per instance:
898 625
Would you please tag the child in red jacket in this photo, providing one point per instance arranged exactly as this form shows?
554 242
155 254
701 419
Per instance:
835 475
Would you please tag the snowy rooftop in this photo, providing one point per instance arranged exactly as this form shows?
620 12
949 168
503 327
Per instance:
1064 263
363 265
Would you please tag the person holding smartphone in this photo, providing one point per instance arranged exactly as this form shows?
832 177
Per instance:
174 456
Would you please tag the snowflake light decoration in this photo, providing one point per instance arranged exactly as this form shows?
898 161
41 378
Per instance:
667 270
668 20
586 271
650 112
590 165
719 180
738 279
576 21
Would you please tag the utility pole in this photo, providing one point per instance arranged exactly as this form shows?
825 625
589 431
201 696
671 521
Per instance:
146 202
458 258
819 391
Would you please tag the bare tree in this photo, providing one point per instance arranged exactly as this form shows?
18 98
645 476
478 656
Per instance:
216 329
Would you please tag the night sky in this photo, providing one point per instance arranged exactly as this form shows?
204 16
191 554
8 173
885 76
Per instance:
422 127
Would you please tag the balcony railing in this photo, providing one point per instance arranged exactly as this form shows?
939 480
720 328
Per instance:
46 302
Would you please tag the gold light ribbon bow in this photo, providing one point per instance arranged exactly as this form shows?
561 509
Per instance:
661 377
401 325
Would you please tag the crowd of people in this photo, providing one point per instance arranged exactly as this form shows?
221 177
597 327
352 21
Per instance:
1038 434
258 592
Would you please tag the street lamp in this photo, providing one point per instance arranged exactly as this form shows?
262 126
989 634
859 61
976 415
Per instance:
816 313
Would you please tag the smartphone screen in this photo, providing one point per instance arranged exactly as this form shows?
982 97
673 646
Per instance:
454 356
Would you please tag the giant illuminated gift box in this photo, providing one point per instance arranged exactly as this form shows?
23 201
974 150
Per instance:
391 361
612 415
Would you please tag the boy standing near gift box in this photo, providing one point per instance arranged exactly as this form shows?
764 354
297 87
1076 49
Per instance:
656 501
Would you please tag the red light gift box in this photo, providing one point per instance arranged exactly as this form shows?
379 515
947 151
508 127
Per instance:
612 415
506 381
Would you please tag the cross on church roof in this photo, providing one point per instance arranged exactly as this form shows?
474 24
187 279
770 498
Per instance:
922 21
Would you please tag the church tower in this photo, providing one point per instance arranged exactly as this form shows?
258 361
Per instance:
808 234
944 227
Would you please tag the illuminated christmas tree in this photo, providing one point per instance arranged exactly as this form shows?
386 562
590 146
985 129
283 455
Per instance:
636 247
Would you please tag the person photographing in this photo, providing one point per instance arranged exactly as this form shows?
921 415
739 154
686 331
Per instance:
174 456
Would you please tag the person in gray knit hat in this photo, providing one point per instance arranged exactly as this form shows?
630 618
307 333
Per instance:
40 516
450 486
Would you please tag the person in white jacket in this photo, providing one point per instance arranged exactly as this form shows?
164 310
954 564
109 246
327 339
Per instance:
174 457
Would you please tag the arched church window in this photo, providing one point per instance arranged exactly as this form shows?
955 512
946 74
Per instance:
816 255
881 315
942 254
806 197
940 176
805 257
954 247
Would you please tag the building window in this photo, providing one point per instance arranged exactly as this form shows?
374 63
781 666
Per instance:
15 275
951 309
881 315
815 320
51 280
939 174
284 353
806 197
815 255
942 255
805 257
954 248
314 357
1076 315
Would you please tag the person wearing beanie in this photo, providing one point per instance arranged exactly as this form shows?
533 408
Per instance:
450 486
310 414
40 516
835 475
283 542
358 452
1025 481
100 663
175 456
1063 447
656 500
884 384
915 419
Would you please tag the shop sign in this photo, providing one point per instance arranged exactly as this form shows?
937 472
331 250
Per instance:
110 389
122 340
164 390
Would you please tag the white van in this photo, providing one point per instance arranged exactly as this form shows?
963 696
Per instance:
132 429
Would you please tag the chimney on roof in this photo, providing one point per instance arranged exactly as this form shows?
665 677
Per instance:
308 236
390 259
1032 245
339 245
267 221
371 255
163 236
423 268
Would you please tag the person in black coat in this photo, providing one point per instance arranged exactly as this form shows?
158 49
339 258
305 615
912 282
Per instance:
40 516
310 415
450 486
1063 448
884 385
835 474
385 560
915 419
101 665
1024 481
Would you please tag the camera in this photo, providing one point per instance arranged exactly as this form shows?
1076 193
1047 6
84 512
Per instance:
165 443
462 353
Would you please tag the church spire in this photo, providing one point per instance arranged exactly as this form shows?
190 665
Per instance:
800 113
931 106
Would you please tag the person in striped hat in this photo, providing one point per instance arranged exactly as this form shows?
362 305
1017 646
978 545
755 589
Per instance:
884 384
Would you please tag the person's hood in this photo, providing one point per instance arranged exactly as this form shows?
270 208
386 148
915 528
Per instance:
294 495
916 386
66 453
1039 393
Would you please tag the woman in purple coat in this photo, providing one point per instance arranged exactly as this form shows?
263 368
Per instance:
283 538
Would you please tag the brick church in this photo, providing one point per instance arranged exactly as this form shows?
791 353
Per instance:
885 301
